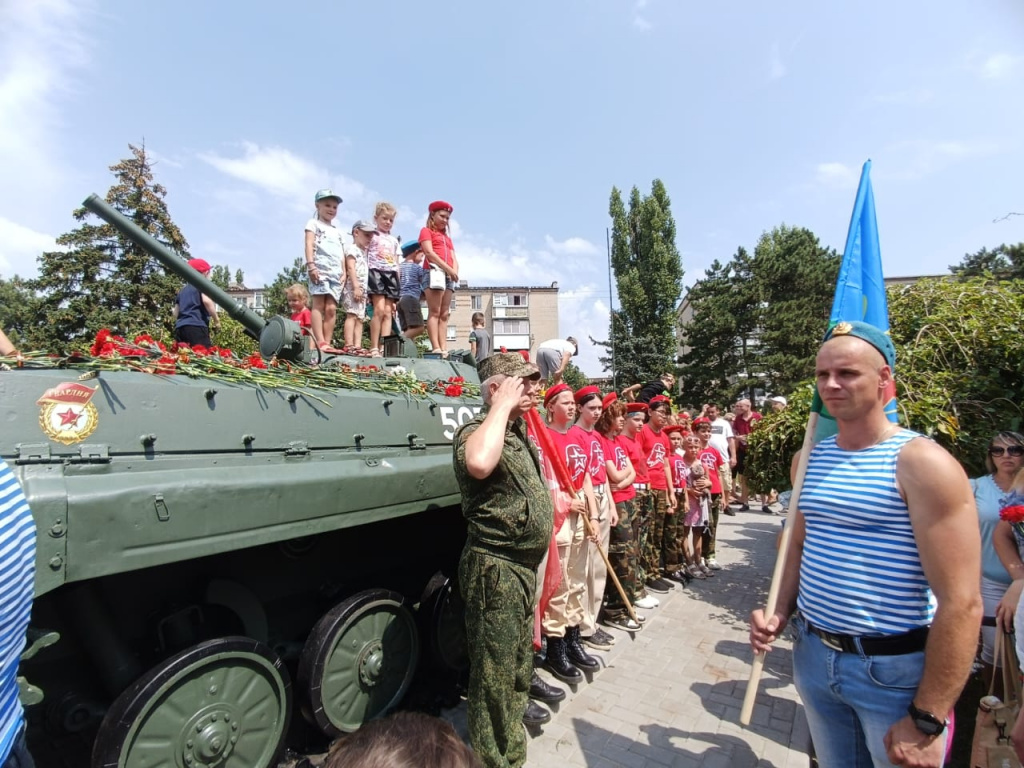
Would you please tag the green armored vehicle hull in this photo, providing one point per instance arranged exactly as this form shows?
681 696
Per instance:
214 554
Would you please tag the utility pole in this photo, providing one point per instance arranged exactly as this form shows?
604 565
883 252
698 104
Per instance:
611 308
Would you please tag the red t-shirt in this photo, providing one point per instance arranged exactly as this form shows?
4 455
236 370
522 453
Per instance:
440 242
743 427
592 445
712 460
655 448
636 457
573 456
679 472
618 453
304 318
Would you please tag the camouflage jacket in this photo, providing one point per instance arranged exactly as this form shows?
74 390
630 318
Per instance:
509 513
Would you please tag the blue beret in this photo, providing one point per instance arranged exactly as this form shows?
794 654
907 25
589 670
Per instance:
876 337
410 247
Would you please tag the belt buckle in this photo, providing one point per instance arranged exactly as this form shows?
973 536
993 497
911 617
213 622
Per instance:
831 640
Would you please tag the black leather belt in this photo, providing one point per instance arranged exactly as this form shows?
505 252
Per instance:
887 645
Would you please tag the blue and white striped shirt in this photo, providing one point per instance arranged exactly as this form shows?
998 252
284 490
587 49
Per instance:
860 573
17 574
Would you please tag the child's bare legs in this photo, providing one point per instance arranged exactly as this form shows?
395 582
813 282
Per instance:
330 311
317 320
434 298
353 331
697 547
442 322
684 541
380 324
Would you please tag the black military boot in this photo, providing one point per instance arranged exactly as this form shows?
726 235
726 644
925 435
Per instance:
557 662
541 691
574 650
535 714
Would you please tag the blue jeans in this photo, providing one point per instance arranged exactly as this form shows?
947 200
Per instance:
851 700
19 756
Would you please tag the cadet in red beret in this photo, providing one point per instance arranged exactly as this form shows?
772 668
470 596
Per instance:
192 311
610 398
555 391
585 392
443 270
636 407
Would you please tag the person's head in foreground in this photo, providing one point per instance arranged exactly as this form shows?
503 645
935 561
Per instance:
402 740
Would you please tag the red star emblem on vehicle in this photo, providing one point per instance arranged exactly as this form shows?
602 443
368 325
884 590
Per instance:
69 417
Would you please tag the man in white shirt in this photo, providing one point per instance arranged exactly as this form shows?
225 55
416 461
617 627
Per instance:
553 358
724 440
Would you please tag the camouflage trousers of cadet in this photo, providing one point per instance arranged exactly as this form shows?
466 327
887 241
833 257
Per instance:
662 553
643 511
499 596
624 557
707 540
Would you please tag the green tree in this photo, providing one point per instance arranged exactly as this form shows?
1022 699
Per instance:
232 335
221 275
717 337
239 277
574 377
274 299
104 280
794 278
18 314
648 275
1004 262
942 329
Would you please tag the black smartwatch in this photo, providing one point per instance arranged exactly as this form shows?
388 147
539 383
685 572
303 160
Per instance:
926 722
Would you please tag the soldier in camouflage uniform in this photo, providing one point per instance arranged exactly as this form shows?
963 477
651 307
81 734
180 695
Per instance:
508 511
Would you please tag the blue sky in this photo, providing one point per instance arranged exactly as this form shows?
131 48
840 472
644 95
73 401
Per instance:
523 115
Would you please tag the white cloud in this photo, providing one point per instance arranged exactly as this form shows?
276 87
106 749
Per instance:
42 50
639 20
583 313
284 174
20 248
916 158
777 69
994 66
572 245
836 175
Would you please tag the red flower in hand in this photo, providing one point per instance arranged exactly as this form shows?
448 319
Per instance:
1012 514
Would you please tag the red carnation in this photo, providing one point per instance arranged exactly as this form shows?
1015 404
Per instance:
1012 514
255 361
453 390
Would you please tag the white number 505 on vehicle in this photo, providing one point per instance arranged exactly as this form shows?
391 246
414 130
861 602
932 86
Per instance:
452 418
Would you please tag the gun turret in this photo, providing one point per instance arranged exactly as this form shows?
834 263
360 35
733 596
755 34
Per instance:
279 336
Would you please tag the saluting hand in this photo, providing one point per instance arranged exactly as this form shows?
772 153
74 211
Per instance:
508 394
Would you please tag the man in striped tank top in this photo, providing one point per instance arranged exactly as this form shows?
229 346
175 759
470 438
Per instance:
882 573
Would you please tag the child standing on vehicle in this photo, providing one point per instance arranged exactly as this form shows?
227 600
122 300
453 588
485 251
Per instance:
324 253
354 297
479 339
410 280
298 304
382 259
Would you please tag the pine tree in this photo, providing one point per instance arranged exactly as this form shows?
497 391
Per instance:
1004 262
221 275
649 275
104 280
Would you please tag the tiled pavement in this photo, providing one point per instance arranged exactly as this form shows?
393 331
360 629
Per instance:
671 694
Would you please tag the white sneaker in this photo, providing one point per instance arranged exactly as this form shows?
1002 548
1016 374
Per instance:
711 563
647 602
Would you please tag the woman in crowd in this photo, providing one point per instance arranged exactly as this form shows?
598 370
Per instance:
1000 586
442 276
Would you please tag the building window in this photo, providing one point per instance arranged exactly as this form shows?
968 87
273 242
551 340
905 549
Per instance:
500 299
510 326
476 302
453 305
257 300
519 300
452 333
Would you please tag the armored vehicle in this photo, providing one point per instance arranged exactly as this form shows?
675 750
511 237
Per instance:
217 555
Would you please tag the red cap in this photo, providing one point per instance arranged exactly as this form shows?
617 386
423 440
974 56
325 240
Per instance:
658 399
701 420
585 391
525 354
556 390
199 265
610 398
673 428
684 415
440 205
636 407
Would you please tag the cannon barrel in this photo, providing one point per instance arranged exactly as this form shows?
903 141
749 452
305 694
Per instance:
253 321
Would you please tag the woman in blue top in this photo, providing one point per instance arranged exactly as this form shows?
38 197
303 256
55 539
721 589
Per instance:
1000 589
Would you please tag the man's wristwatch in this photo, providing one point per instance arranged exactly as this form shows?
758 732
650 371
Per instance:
926 722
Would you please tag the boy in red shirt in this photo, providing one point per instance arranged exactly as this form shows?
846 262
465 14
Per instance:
662 556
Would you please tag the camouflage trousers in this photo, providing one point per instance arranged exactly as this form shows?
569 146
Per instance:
499 598
659 549
672 539
707 540
623 555
643 511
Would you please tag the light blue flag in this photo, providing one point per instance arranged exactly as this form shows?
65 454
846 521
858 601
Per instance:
860 289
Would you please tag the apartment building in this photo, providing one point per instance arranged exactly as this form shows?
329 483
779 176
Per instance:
517 317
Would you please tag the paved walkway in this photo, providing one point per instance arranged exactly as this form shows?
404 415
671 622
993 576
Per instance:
671 694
